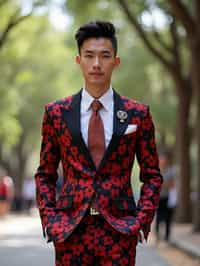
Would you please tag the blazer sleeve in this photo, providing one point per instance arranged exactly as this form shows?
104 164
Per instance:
46 174
149 173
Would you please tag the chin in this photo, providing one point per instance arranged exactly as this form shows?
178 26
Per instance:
96 81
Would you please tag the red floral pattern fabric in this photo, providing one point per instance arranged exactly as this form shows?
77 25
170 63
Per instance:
61 141
95 242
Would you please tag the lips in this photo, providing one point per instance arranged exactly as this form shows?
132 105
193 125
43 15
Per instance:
96 73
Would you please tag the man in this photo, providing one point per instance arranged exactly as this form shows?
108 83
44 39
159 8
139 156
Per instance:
96 134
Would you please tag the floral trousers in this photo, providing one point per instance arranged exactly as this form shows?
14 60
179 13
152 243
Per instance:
95 243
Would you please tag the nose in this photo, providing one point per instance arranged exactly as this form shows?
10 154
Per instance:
96 62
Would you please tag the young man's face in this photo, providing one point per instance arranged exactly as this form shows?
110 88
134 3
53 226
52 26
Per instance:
97 61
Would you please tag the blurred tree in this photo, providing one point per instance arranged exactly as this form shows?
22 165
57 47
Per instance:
167 44
12 14
139 77
11 17
169 51
188 14
36 57
9 126
183 22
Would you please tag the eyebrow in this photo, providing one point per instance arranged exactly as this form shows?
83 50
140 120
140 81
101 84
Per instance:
92 52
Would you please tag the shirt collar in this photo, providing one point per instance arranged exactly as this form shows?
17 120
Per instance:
106 99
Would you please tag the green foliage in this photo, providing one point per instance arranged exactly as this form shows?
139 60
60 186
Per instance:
43 75
36 68
88 10
9 125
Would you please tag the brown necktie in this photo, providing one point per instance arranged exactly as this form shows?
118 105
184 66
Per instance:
96 138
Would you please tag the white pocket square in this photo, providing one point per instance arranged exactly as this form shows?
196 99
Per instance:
130 129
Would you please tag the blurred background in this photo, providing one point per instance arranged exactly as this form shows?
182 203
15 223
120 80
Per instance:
159 44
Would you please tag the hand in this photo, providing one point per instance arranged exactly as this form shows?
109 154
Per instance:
140 237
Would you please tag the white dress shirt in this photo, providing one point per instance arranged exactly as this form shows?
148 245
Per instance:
106 113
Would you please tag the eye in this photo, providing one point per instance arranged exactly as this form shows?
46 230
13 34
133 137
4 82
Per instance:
88 56
106 56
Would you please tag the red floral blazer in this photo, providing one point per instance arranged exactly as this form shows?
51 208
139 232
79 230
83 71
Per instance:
62 141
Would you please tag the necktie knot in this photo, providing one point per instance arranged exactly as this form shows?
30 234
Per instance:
96 106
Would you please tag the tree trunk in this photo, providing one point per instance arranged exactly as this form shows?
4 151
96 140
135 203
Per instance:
184 213
184 93
195 67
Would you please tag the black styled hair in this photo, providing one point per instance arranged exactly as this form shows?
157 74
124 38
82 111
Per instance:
96 29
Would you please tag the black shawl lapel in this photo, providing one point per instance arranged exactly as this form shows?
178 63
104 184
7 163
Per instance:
119 127
72 118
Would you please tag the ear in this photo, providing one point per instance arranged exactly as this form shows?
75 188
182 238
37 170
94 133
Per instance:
117 61
78 59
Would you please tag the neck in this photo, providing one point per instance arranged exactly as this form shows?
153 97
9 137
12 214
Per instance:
96 91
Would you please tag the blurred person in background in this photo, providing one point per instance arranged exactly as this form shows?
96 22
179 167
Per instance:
168 195
28 194
6 194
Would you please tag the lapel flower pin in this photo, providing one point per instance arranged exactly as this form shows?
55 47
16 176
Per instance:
122 115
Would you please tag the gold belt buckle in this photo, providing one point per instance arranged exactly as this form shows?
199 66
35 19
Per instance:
93 211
